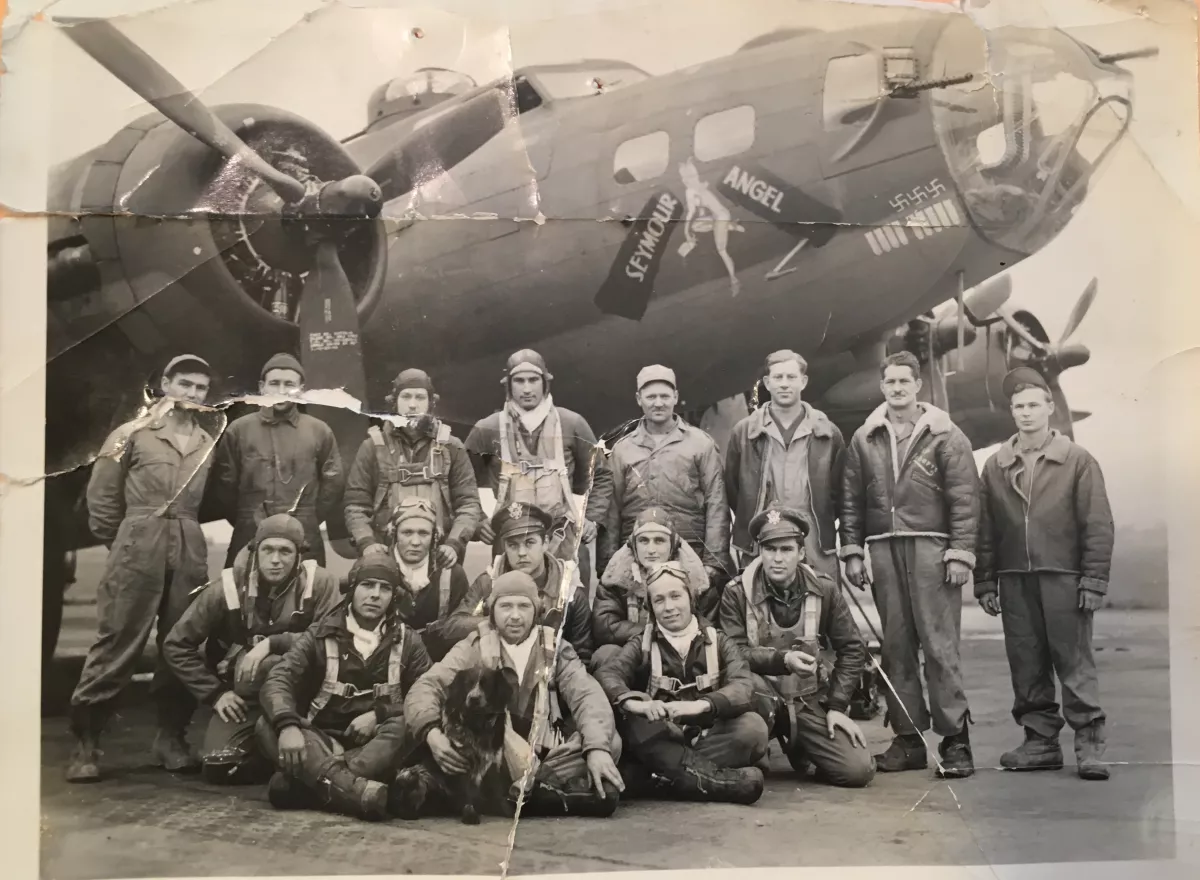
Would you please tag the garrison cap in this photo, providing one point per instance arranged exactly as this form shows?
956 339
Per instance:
653 519
282 361
526 361
778 522
656 373
520 519
1023 376
412 378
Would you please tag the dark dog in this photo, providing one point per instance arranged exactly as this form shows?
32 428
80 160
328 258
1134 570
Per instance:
473 720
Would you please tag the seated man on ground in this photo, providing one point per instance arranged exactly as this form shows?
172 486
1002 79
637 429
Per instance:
683 696
780 611
429 589
522 533
570 768
333 708
235 632
620 613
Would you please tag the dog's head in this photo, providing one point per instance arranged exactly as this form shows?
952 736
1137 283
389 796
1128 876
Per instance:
476 694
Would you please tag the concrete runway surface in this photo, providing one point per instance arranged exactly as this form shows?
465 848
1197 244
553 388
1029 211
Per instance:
143 822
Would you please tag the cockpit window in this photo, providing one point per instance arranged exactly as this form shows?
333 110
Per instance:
642 158
724 133
852 85
429 80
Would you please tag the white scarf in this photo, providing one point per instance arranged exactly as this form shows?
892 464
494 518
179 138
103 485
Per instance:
532 419
365 640
682 641
519 653
416 576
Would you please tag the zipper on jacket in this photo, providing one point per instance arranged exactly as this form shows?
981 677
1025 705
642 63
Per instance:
1028 505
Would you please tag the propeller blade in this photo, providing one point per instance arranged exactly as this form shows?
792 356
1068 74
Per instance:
1060 419
1079 312
988 297
449 136
125 60
330 345
1019 330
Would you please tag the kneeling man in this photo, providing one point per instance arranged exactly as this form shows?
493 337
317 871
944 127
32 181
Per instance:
683 694
779 611
570 766
334 706
235 632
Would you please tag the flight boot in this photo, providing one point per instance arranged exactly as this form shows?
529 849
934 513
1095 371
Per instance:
84 764
572 797
957 761
288 793
1089 749
172 752
1036 753
338 790
906 752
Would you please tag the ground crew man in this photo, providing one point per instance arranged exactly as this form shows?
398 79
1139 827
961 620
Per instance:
429 590
412 456
911 496
621 610
666 463
522 533
278 460
1045 546
779 611
333 708
234 633
682 693
534 452
573 761
789 453
143 497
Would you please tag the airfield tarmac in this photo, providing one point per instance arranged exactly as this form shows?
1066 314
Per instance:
143 822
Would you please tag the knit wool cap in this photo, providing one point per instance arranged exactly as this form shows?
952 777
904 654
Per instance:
281 525
513 583
282 361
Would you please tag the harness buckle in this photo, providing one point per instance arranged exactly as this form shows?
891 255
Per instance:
409 474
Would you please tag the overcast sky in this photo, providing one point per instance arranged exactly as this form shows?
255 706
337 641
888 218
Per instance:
1136 234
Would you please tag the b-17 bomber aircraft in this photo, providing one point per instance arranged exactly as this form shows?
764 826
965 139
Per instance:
843 193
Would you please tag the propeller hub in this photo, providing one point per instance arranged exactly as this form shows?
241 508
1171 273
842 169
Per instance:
1072 354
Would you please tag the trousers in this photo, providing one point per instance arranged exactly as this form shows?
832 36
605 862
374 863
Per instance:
838 761
921 615
230 753
730 743
1046 633
126 613
377 760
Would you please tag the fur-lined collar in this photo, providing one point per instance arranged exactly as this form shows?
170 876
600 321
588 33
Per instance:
1057 449
821 426
624 575
937 420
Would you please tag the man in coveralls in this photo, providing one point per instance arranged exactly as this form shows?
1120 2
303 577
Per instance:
278 460
333 708
143 497
412 455
235 632
683 695
1045 547
535 452
779 611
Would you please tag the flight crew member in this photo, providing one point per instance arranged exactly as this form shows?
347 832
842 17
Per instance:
522 533
429 591
413 456
278 460
1045 546
621 610
333 708
779 611
535 452
666 463
573 764
143 497
234 633
911 497
682 693
789 453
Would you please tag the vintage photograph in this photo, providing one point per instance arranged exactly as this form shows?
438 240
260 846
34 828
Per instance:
608 436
